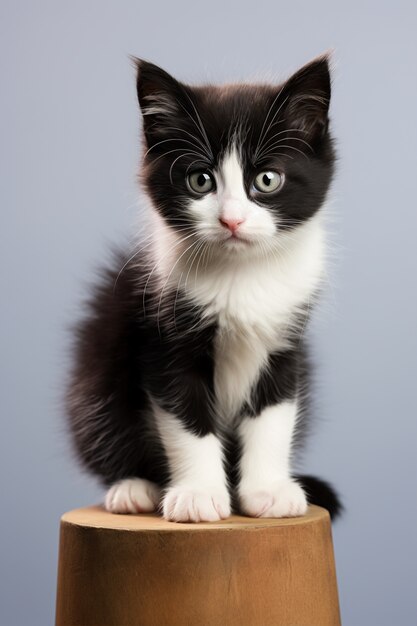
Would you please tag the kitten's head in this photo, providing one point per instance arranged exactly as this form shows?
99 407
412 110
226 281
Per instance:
238 165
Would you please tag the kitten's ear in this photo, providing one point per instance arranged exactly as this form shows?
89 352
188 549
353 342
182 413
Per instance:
160 97
307 97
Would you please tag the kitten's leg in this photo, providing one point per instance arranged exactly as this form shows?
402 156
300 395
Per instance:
133 495
266 488
198 487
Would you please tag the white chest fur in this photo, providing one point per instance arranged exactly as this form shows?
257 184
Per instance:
255 304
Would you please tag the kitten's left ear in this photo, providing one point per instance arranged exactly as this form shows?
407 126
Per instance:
307 97
161 98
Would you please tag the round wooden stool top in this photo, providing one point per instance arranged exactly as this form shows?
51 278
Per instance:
140 570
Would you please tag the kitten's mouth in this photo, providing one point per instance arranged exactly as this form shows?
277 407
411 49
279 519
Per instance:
233 238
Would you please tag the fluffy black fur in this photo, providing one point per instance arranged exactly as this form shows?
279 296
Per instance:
124 351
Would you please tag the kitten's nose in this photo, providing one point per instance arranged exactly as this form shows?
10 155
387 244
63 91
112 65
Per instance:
231 223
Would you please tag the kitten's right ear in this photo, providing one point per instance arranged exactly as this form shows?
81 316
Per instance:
307 97
160 97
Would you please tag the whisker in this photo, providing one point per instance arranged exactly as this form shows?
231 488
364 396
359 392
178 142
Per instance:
290 148
201 144
175 150
259 145
174 161
191 164
203 243
266 118
265 158
199 125
124 266
175 301
178 242
167 281
266 146
177 139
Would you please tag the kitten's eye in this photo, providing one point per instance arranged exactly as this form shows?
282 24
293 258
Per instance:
267 182
200 182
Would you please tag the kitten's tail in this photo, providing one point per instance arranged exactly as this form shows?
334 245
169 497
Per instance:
321 493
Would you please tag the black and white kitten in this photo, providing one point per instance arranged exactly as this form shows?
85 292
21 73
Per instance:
189 387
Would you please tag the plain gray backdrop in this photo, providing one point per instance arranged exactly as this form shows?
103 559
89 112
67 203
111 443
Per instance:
69 153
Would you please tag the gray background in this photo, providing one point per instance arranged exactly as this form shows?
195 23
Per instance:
69 151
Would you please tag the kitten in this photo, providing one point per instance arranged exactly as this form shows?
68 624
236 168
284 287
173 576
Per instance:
190 383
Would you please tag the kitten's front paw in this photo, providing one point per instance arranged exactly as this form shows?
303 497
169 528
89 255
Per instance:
285 499
132 495
190 505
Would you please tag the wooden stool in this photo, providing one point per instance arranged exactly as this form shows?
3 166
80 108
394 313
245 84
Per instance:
139 570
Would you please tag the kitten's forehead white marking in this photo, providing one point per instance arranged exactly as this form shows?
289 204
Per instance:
230 183
230 186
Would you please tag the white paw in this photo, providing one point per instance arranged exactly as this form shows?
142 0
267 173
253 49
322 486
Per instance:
190 505
284 499
132 495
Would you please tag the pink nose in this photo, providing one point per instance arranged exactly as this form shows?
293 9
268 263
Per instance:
231 224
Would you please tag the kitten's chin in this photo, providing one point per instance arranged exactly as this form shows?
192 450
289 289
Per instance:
240 247
236 241
236 246
247 242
